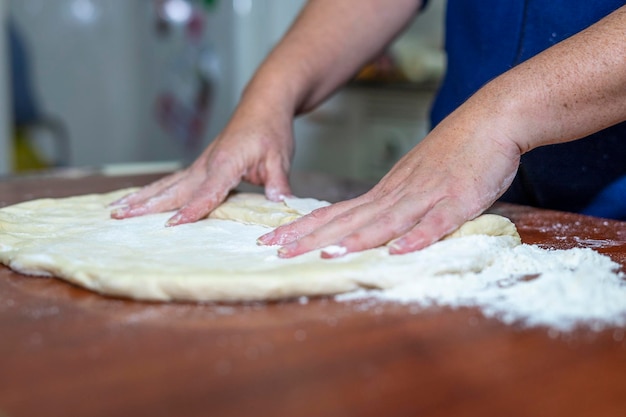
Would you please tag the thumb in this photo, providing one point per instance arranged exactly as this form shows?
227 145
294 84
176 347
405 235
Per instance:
277 183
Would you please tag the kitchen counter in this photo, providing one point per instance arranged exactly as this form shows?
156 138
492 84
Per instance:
65 351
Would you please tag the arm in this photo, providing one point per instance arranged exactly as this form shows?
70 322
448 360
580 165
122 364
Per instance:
570 90
326 45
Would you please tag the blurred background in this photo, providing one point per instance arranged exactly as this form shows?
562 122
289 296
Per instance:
127 86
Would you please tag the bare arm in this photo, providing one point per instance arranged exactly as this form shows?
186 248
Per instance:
570 90
328 42
326 45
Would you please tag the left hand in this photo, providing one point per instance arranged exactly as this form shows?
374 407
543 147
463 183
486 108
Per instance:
256 146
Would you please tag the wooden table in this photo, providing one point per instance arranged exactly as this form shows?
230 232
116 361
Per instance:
65 351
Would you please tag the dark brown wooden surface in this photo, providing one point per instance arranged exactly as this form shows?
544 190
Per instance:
67 352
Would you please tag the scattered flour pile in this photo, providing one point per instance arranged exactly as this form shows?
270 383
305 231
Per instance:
559 289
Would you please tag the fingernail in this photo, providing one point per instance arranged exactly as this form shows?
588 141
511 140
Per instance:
266 239
123 212
275 195
397 246
287 250
333 251
119 212
174 220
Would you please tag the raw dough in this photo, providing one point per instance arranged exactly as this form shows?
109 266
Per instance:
215 259
251 208
487 224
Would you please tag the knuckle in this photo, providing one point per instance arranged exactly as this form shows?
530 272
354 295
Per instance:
386 219
345 218
220 157
319 214
354 241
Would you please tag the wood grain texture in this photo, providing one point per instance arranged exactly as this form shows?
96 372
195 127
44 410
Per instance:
67 352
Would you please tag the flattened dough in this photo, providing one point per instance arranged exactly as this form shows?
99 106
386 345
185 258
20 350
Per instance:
256 209
487 224
216 259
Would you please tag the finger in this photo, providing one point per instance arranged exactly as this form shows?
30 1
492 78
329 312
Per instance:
206 198
293 231
384 227
437 223
169 199
149 190
332 233
277 183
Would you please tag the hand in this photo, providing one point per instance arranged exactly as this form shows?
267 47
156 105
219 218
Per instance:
255 146
451 177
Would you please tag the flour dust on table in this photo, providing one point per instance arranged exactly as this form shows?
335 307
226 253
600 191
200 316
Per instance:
482 264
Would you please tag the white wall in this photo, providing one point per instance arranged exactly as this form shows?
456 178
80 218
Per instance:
94 67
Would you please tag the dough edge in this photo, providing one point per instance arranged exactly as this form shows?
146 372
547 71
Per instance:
220 287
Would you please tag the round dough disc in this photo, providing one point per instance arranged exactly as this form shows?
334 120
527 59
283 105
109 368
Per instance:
215 259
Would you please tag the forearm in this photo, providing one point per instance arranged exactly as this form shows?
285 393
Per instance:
325 46
569 91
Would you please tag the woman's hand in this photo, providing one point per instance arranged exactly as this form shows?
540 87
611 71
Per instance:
256 147
449 178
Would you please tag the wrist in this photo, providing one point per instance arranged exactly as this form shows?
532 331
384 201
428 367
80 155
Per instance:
506 114
273 89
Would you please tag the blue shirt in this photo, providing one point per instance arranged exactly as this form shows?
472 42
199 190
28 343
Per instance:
485 38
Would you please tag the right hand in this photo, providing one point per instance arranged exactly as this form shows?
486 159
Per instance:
256 146
450 177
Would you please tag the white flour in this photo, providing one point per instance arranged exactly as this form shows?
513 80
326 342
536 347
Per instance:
559 289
